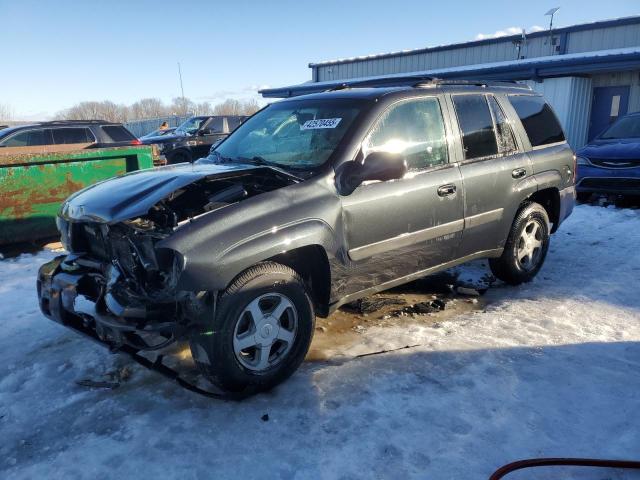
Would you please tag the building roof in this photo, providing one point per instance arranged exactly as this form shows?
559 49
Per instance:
529 68
472 43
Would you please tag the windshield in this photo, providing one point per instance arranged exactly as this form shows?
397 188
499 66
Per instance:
627 127
191 126
292 134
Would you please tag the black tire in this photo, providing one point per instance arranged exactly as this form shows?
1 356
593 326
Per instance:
213 348
179 157
509 268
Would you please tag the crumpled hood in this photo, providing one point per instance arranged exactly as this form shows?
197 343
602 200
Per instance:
172 137
132 195
621 149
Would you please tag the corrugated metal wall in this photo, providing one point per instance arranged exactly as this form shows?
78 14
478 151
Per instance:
620 36
570 98
617 79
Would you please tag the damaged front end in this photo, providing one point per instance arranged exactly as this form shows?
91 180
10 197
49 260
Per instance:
117 284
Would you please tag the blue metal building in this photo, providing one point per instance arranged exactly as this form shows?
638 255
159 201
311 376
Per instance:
589 72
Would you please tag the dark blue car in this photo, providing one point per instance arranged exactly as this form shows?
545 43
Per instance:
610 163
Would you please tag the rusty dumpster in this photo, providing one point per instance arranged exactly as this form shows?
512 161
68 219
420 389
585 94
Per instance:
32 186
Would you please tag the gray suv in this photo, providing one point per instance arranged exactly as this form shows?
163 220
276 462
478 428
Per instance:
313 202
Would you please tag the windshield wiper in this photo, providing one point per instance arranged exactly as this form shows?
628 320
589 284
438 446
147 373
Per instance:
257 160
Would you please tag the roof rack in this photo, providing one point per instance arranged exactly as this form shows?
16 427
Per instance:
421 81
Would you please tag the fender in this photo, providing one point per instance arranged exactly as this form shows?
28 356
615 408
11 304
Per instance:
218 245
204 274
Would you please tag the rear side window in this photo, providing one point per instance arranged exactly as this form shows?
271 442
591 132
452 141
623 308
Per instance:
504 133
28 138
476 123
72 135
118 133
538 120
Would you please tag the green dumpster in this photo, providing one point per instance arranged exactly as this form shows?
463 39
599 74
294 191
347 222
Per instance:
32 186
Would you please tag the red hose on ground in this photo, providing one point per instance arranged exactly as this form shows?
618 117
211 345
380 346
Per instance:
564 462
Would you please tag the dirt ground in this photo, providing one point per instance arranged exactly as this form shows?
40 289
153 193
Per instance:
343 329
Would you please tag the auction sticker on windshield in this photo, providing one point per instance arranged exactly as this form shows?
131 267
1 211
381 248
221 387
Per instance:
320 123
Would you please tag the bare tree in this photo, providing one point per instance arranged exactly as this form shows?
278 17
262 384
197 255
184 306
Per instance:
203 108
250 106
148 108
232 106
6 112
182 106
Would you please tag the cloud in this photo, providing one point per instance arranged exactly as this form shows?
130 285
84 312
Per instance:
508 31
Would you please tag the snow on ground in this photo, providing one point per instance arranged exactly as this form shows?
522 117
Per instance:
551 368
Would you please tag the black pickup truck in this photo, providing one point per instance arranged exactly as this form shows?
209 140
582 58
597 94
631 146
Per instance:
193 138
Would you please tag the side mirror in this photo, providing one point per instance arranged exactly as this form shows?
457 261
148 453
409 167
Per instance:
205 131
381 166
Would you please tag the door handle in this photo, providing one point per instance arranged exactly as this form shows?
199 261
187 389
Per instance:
519 172
446 190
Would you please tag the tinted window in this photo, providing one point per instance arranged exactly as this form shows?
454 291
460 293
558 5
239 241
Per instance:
538 119
26 139
504 133
71 135
474 117
414 128
627 127
118 133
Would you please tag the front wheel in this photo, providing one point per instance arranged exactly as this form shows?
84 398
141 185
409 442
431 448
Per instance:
260 333
526 246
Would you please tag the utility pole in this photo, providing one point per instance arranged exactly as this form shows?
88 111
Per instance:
181 87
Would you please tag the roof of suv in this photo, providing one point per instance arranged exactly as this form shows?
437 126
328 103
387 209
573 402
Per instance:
55 123
379 87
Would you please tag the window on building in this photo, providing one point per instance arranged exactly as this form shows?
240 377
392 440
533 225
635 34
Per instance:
27 138
539 121
476 124
414 128
71 135
118 133
504 132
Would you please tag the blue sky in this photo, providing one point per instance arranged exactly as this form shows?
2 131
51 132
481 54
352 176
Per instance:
57 53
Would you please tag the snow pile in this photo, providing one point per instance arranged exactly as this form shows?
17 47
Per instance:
549 369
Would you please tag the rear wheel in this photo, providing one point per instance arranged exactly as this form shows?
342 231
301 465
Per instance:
260 332
526 247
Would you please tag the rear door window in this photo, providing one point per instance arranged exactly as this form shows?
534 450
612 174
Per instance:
476 124
63 136
118 133
414 128
27 138
539 121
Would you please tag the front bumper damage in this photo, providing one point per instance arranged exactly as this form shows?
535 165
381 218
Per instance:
75 293
72 293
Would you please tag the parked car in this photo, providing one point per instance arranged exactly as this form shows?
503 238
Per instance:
194 137
96 133
313 202
610 164
158 133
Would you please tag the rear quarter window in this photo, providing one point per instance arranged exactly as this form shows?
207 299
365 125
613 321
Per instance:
118 133
539 121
